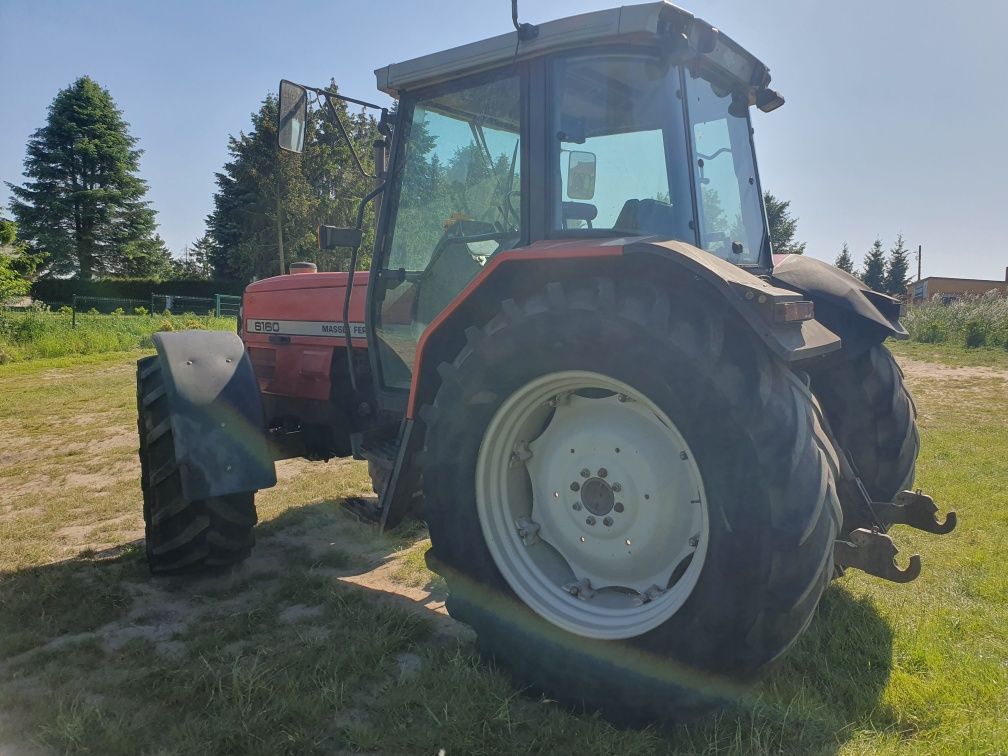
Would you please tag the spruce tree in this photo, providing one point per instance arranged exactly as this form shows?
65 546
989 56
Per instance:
844 260
782 226
83 205
874 272
897 268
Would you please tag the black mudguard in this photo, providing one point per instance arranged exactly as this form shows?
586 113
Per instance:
216 414
860 316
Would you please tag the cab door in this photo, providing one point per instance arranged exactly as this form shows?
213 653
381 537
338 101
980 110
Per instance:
455 201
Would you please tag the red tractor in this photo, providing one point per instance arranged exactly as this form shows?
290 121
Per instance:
641 443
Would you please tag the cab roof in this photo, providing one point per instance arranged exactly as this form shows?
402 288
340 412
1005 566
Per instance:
644 25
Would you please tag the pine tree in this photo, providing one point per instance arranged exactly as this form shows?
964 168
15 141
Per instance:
844 260
897 268
83 205
874 272
782 226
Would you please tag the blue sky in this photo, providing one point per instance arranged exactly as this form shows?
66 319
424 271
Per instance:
896 118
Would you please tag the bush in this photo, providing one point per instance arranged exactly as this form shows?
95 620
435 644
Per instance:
976 334
139 310
973 321
931 333
65 310
118 311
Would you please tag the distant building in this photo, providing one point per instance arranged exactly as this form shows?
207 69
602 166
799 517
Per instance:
951 289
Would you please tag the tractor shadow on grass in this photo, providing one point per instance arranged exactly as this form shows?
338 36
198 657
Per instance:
825 690
830 684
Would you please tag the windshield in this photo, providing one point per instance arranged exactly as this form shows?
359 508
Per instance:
623 156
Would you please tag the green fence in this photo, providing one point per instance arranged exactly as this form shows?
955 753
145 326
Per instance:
221 305
105 306
226 305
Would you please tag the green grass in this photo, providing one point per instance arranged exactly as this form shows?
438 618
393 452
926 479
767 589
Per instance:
35 334
951 353
289 655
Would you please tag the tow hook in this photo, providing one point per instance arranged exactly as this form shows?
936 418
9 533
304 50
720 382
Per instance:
871 550
916 510
874 552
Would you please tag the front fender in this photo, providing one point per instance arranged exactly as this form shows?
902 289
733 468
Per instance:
859 315
215 412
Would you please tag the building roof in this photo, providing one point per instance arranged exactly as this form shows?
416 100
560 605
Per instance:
994 281
630 24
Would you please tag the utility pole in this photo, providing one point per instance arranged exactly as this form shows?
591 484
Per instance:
279 220
920 248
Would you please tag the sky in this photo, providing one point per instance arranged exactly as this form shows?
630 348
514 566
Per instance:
896 118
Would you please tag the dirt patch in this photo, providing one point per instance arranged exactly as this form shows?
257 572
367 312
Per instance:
428 603
100 481
9 512
916 369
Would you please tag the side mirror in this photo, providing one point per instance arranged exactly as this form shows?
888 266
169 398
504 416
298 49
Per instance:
293 116
581 175
334 237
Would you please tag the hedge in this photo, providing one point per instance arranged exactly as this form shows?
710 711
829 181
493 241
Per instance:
56 291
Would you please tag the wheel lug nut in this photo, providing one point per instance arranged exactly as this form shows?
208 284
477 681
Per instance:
575 486
577 506
618 506
590 520
585 472
616 487
602 472
607 522
683 455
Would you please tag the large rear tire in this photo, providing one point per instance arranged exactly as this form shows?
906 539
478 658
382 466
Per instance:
693 403
873 418
182 536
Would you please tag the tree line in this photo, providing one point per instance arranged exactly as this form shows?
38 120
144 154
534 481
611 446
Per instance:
82 211
881 271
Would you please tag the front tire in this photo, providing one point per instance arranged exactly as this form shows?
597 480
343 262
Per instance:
182 536
734 580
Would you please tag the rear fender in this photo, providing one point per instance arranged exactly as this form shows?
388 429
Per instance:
216 413
860 316
517 273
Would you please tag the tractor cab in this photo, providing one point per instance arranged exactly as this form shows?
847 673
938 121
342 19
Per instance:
630 122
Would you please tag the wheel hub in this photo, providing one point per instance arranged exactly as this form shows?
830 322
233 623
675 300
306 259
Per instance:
597 497
591 504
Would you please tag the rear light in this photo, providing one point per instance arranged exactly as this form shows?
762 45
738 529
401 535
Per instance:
789 312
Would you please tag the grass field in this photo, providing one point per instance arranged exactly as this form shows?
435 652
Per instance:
35 334
333 639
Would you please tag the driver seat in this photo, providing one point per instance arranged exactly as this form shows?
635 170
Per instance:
647 217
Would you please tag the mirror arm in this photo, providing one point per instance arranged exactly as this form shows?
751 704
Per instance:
346 137
349 289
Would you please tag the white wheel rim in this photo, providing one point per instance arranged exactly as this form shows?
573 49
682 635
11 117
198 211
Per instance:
621 554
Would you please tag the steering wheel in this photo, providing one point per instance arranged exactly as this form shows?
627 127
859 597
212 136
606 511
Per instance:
466 232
